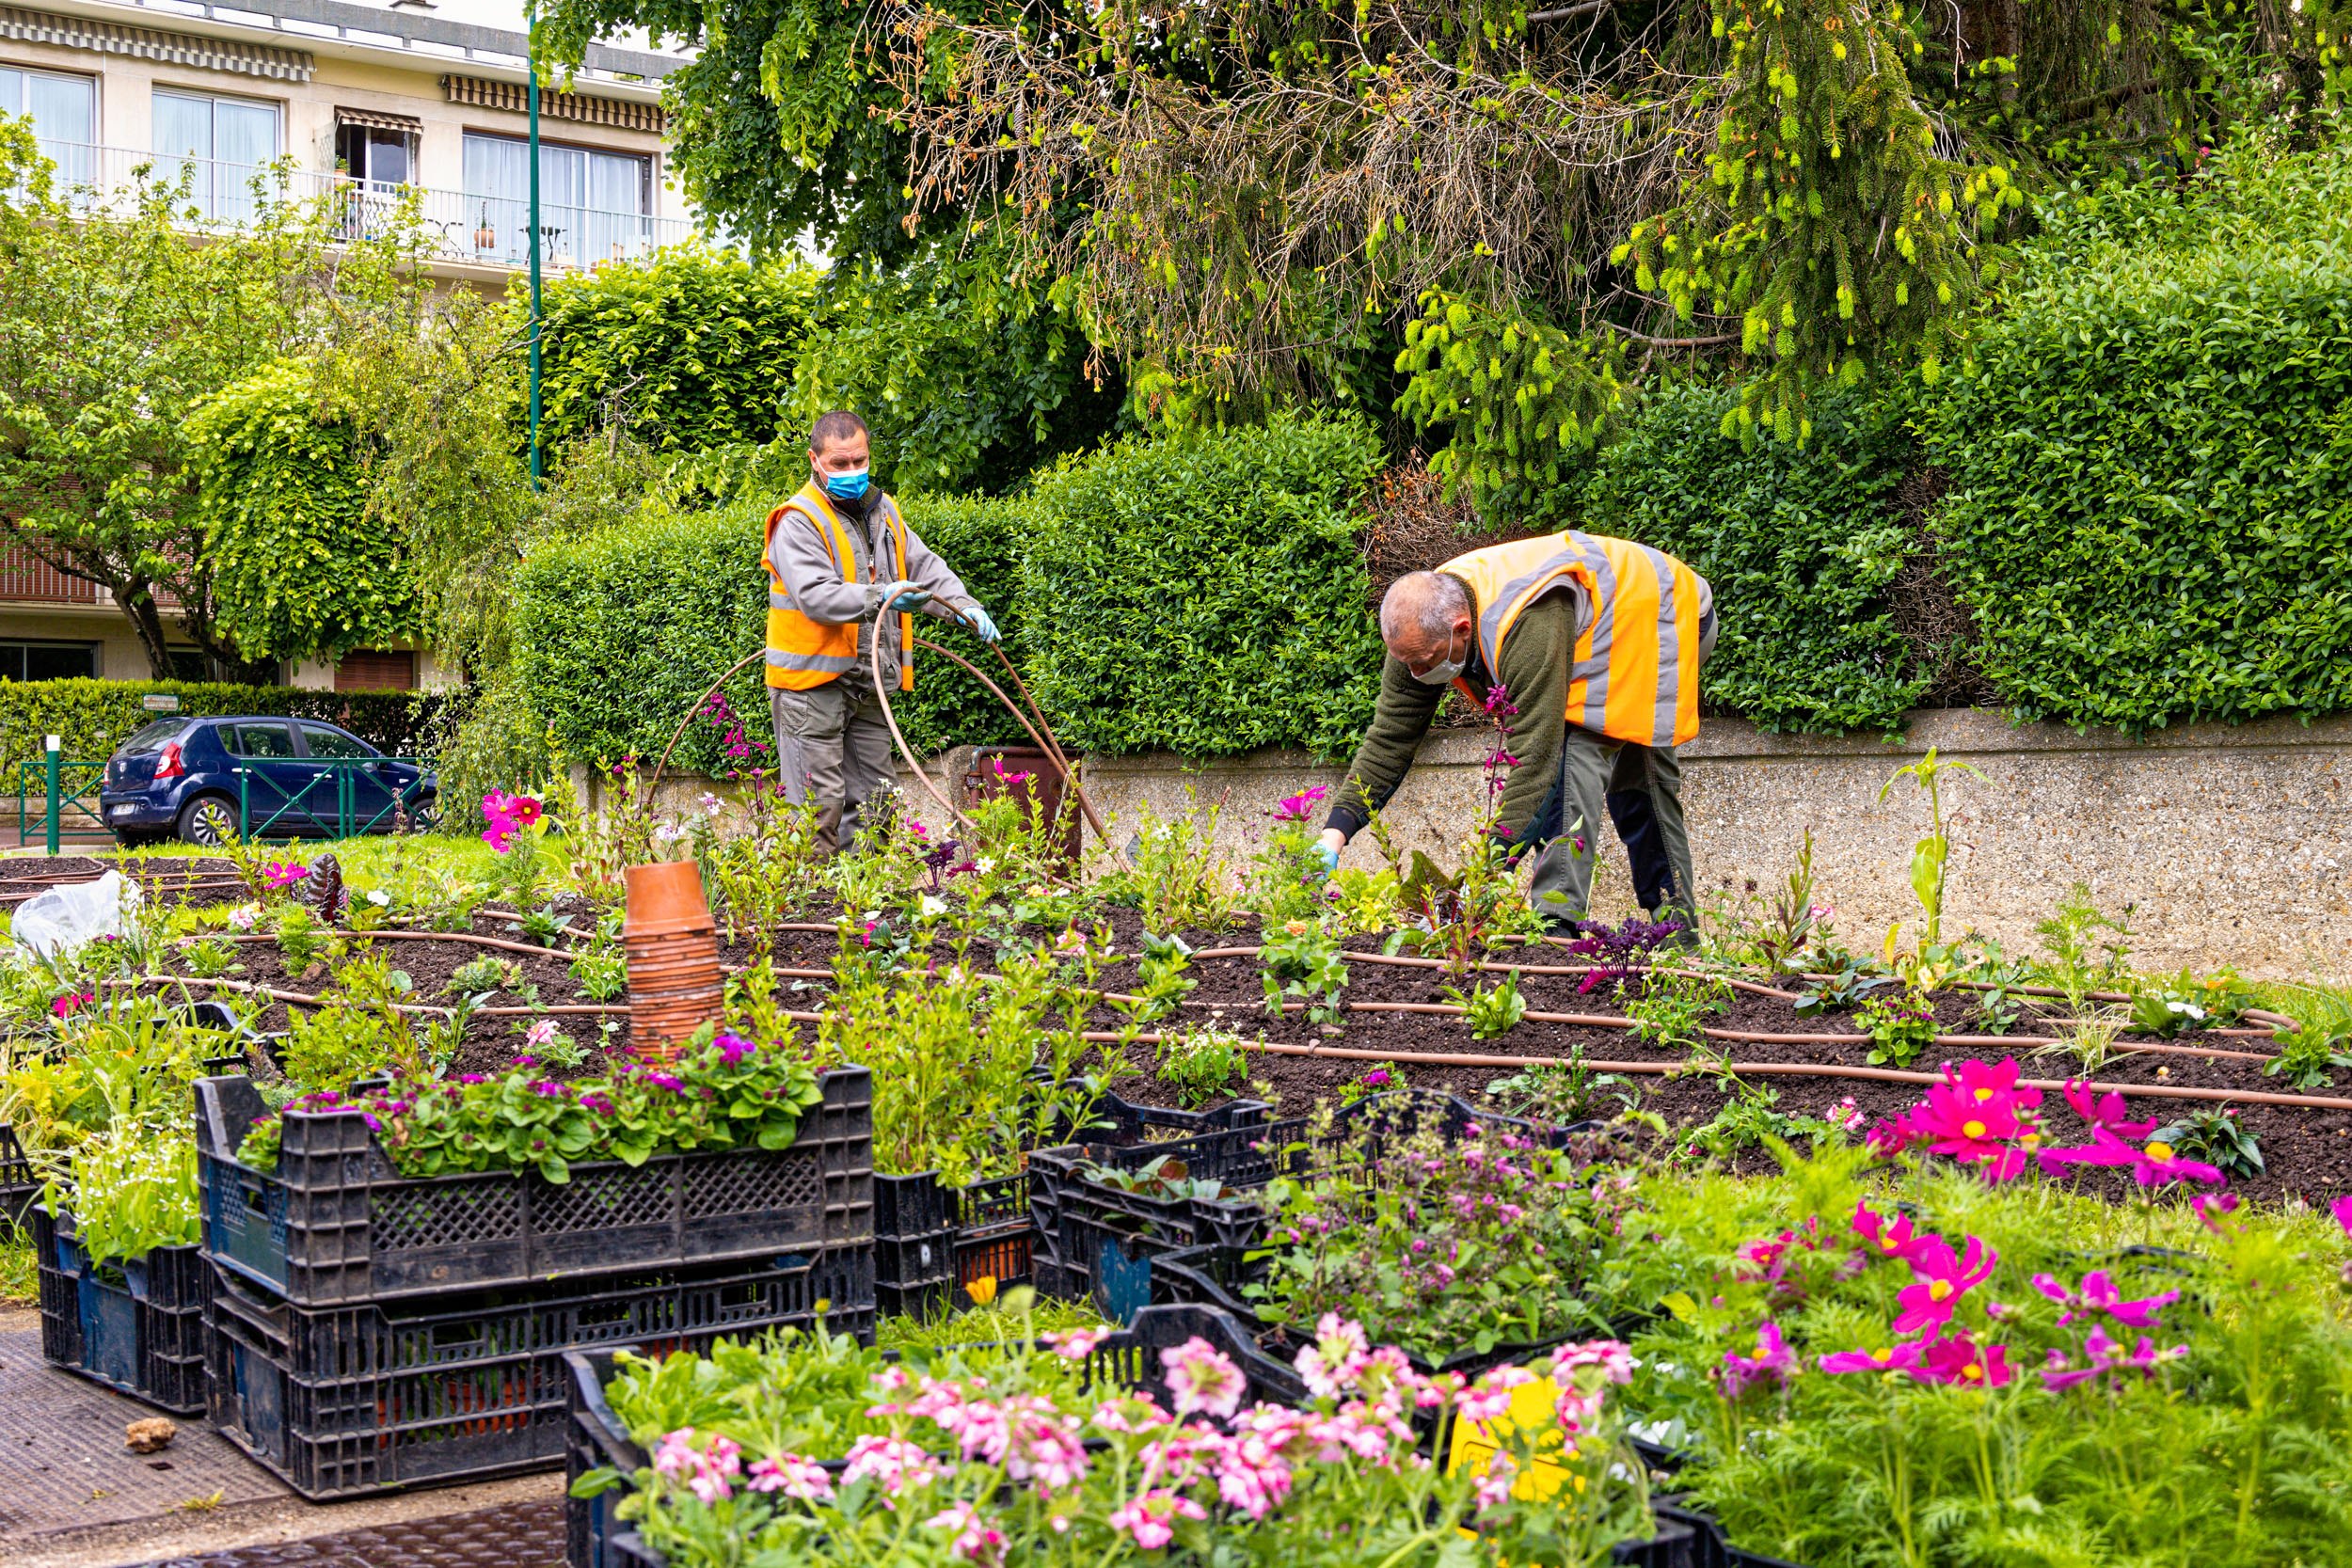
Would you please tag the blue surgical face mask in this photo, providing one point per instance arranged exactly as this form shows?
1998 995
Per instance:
846 487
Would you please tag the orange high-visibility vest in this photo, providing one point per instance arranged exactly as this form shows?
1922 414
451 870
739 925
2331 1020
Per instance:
802 653
1637 663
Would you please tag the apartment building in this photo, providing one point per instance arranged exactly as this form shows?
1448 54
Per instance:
371 103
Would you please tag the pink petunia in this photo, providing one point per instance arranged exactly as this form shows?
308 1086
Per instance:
795 1476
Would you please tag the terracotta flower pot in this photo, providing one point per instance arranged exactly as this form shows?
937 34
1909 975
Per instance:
664 897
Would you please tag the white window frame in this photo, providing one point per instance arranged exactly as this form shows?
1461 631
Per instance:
219 190
77 162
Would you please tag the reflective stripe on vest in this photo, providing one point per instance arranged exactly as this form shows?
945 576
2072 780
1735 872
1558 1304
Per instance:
1632 679
802 653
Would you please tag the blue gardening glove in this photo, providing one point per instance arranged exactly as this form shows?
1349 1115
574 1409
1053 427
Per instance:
910 601
1330 858
978 620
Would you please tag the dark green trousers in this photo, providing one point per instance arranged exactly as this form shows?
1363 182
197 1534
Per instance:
1639 790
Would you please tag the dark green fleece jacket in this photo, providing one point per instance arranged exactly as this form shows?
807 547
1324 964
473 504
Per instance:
1535 656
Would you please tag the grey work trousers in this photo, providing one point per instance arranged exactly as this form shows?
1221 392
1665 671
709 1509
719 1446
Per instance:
833 752
1638 788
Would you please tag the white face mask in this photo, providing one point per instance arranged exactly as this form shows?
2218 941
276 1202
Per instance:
1445 670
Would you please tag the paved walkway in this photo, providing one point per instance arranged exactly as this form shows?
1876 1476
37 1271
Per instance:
72 1496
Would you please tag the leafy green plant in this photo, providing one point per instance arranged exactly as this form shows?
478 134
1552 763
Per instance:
484 974
2214 1136
2078 960
1672 1009
298 936
2306 1058
1161 983
1928 857
1565 1091
1899 1027
1303 962
1201 1064
1847 983
134 1190
602 976
1491 1011
1175 879
209 958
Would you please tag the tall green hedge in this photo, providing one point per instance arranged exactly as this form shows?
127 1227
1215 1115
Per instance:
94 716
619 633
2150 504
1204 594
1797 543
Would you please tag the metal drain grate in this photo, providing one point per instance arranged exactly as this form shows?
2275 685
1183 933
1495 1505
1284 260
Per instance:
519 1535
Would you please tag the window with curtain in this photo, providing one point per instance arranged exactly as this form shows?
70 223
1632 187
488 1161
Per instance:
217 145
64 111
593 206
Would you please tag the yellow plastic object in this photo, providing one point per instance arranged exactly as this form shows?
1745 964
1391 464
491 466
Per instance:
1476 1443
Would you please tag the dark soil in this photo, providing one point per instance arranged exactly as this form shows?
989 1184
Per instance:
2307 1151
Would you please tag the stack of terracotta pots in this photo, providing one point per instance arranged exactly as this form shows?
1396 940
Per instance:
675 982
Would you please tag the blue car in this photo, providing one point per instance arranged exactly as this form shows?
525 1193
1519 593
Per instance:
181 776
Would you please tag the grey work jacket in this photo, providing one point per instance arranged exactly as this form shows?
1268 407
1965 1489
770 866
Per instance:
802 555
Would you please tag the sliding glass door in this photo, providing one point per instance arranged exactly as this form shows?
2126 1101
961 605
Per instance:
593 206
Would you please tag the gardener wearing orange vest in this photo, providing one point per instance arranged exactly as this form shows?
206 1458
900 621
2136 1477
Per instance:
1598 642
844 568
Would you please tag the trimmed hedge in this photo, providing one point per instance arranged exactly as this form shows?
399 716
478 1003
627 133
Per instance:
1206 594
94 716
1798 543
2151 502
618 634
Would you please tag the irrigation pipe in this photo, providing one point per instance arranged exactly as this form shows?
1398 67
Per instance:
336 934
300 999
1750 1070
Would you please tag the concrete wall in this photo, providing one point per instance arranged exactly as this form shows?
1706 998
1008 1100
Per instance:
2231 842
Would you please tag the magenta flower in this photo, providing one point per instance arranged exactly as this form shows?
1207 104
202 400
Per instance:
2152 1167
2098 1295
1956 1361
1772 1362
795 1476
2104 1355
1201 1379
1940 1281
733 1047
2107 1112
73 1002
1976 1113
2342 1210
2213 1208
279 874
1890 1137
1886 1237
1295 808
1900 1358
1151 1518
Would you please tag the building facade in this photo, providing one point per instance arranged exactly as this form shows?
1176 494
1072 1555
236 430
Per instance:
372 105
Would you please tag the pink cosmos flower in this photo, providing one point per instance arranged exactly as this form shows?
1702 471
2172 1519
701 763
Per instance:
278 874
73 1002
2099 1296
1939 1281
1772 1362
1151 1518
1890 1137
2153 1165
1889 1238
1336 1359
1295 808
2342 1210
1977 1112
1900 1358
1956 1360
2104 1355
804 1480
977 1538
2107 1112
1201 1379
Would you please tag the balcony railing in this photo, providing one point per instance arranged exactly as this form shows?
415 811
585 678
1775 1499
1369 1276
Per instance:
456 226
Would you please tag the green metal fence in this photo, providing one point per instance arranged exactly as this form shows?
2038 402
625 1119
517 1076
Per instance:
323 798
66 789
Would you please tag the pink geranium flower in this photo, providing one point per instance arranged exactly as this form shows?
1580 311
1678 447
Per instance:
1940 1280
1201 1379
1151 1518
789 1473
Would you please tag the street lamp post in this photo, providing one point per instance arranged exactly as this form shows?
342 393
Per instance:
538 235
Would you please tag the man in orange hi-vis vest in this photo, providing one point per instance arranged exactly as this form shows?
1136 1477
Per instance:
1598 644
844 569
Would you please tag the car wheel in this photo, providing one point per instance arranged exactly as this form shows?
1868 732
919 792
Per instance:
209 820
424 814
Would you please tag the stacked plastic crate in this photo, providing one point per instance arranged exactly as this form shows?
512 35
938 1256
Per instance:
366 1331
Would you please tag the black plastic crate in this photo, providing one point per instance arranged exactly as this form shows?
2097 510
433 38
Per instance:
336 1224
17 1187
346 1400
139 1329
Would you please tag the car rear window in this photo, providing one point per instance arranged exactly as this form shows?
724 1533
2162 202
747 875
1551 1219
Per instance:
152 737
327 743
